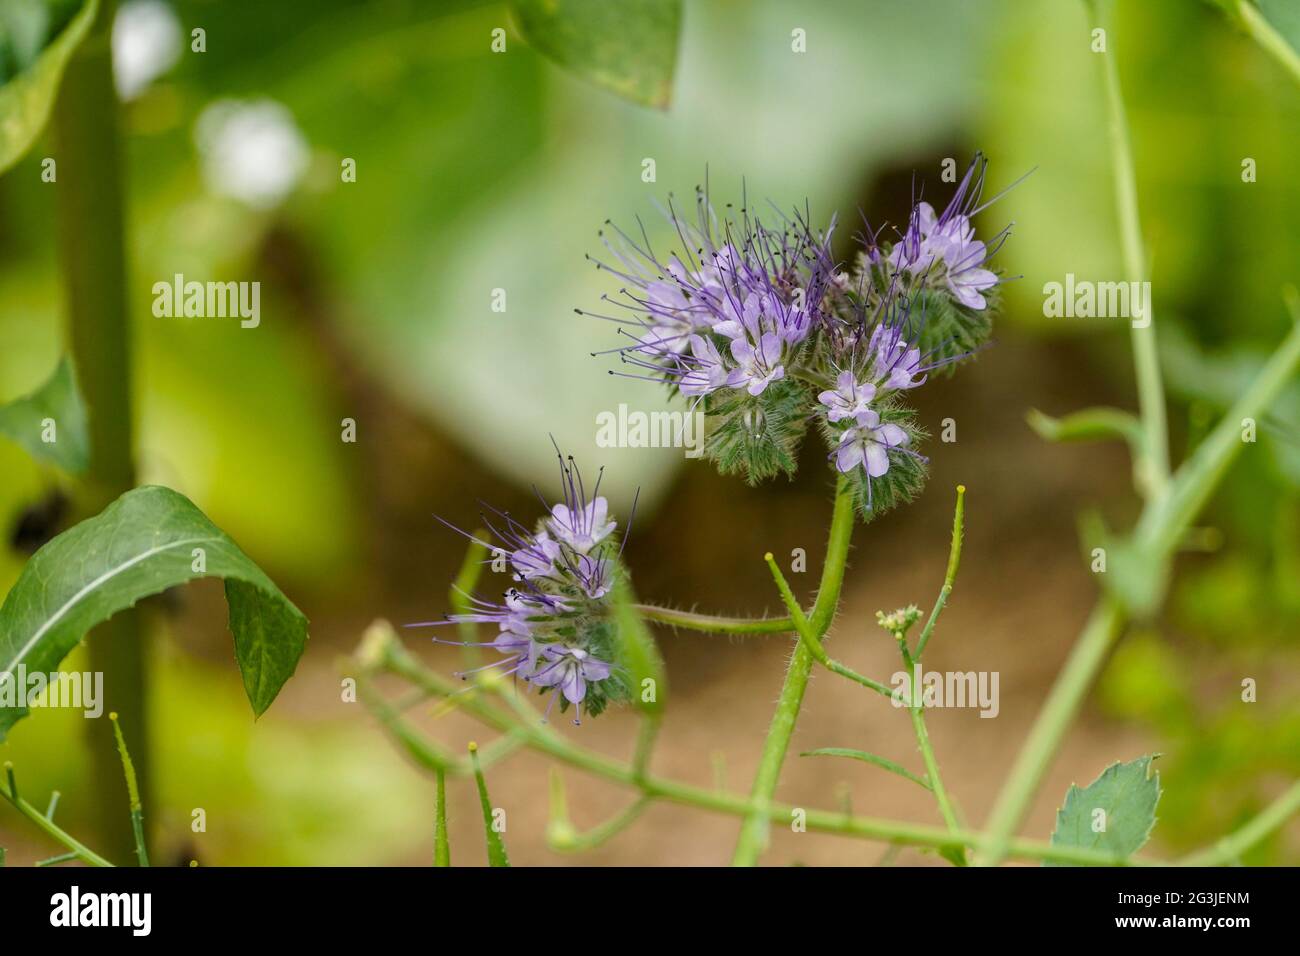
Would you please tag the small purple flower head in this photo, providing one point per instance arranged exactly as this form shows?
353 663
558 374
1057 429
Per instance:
554 626
848 399
731 281
569 669
943 249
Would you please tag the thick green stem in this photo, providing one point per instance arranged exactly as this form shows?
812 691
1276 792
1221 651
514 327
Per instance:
93 246
754 831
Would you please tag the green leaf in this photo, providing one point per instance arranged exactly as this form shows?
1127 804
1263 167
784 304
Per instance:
27 97
496 847
882 762
1114 813
58 400
629 47
141 544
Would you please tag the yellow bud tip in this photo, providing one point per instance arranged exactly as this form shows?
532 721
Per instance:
473 747
9 765
194 862
768 556
112 715
961 489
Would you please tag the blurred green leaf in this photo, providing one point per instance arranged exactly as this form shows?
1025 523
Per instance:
148 540
27 97
628 47
1114 813
59 401
638 651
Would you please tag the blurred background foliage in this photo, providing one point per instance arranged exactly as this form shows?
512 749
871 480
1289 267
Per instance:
479 170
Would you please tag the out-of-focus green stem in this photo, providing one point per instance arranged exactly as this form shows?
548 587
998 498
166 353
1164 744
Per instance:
754 831
93 249
1230 848
1272 42
1153 466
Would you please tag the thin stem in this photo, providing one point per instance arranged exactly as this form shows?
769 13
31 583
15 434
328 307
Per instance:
1154 464
132 792
471 569
956 854
754 831
712 623
441 845
540 738
1272 42
954 559
84 853
804 630
1231 848
1058 711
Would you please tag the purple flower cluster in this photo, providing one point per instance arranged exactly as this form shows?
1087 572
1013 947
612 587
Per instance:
729 312
553 624
759 324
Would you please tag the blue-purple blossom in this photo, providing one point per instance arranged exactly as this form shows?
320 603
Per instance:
848 399
554 626
867 443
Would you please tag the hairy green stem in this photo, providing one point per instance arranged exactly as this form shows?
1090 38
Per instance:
544 740
713 624
754 830
93 250
950 575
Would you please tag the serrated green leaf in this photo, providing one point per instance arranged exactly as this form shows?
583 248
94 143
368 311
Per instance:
27 97
629 47
58 400
1114 813
142 544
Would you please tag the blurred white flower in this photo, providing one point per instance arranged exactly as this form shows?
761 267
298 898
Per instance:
146 44
250 150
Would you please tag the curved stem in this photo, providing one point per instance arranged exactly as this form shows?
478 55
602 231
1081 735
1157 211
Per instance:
1058 711
754 831
1272 42
714 624
1231 847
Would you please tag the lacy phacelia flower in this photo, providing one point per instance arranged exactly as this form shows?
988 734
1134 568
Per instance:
943 249
765 331
555 625
867 442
